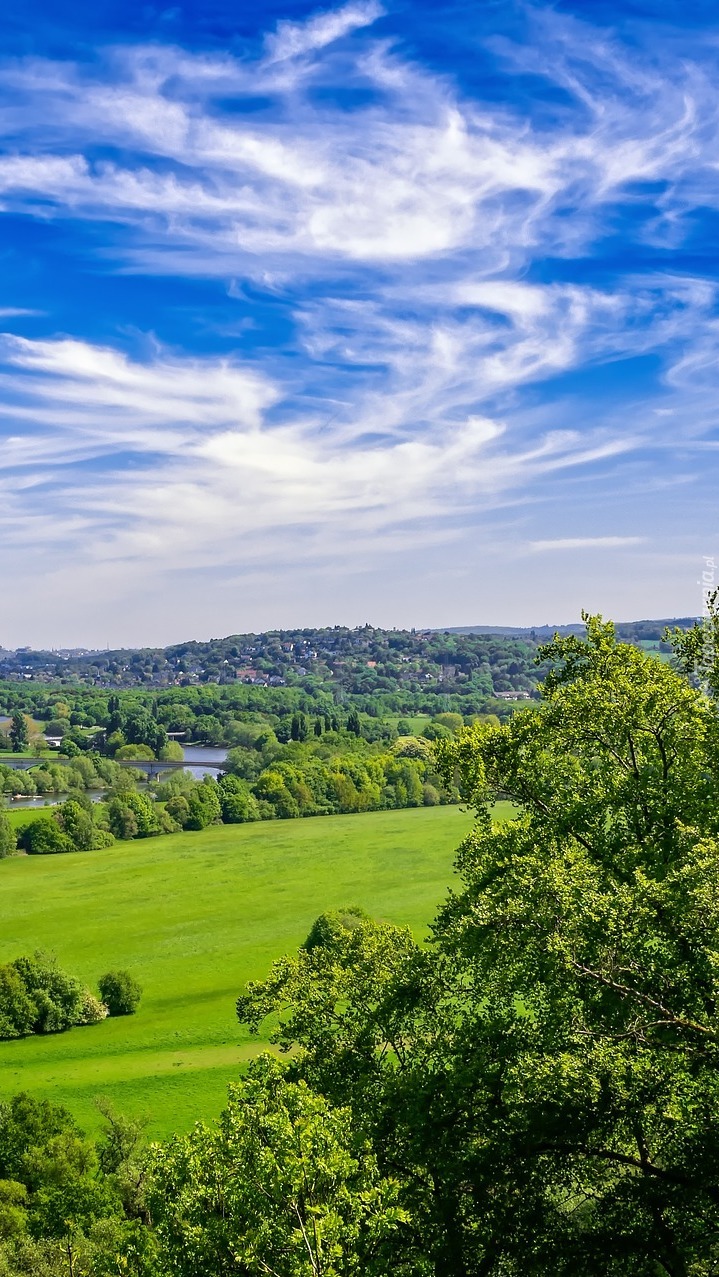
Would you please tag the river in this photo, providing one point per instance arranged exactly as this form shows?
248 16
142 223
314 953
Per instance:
196 756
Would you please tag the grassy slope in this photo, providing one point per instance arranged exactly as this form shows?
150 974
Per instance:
194 916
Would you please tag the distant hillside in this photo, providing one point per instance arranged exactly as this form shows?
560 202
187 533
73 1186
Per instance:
482 661
627 631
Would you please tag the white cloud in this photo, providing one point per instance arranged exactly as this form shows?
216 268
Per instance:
401 230
586 543
292 39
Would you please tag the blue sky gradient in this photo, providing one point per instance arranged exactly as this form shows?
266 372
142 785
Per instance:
392 312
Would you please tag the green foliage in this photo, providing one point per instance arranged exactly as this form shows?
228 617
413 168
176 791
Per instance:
325 929
44 838
204 805
453 722
120 992
8 837
354 724
37 997
237 803
64 1207
282 1184
543 1079
140 752
121 819
76 824
19 735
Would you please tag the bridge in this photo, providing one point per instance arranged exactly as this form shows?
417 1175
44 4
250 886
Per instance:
21 764
152 767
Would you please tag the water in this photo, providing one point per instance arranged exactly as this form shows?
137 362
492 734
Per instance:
196 755
37 800
46 800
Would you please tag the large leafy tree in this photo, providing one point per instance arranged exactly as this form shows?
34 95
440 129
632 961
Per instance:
282 1185
543 1079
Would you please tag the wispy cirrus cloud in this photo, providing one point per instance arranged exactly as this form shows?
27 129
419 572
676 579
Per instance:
456 275
293 39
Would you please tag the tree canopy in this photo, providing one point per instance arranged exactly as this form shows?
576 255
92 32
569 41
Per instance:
543 1078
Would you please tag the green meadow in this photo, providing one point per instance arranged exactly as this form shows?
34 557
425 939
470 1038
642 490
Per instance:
194 916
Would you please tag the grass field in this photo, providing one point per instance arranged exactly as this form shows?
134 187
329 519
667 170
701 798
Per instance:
19 816
194 916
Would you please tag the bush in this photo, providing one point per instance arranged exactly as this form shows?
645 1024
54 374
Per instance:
37 997
44 838
178 809
8 838
139 752
92 1010
121 819
430 796
120 992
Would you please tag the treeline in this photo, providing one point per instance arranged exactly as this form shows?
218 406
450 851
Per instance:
117 724
85 772
267 781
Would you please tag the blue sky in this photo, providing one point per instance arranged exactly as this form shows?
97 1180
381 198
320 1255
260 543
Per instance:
392 312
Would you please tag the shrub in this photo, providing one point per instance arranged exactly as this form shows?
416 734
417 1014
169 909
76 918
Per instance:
44 838
92 1010
120 992
178 809
101 838
8 838
37 997
121 819
430 795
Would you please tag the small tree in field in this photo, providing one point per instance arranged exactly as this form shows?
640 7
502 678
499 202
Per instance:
18 732
120 992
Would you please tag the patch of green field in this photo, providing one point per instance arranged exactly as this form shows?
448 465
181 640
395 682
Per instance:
194 916
19 816
416 721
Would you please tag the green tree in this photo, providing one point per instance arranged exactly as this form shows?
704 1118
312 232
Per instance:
120 992
543 1079
121 819
43 837
204 804
8 837
77 825
237 803
354 724
283 1185
19 736
300 728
